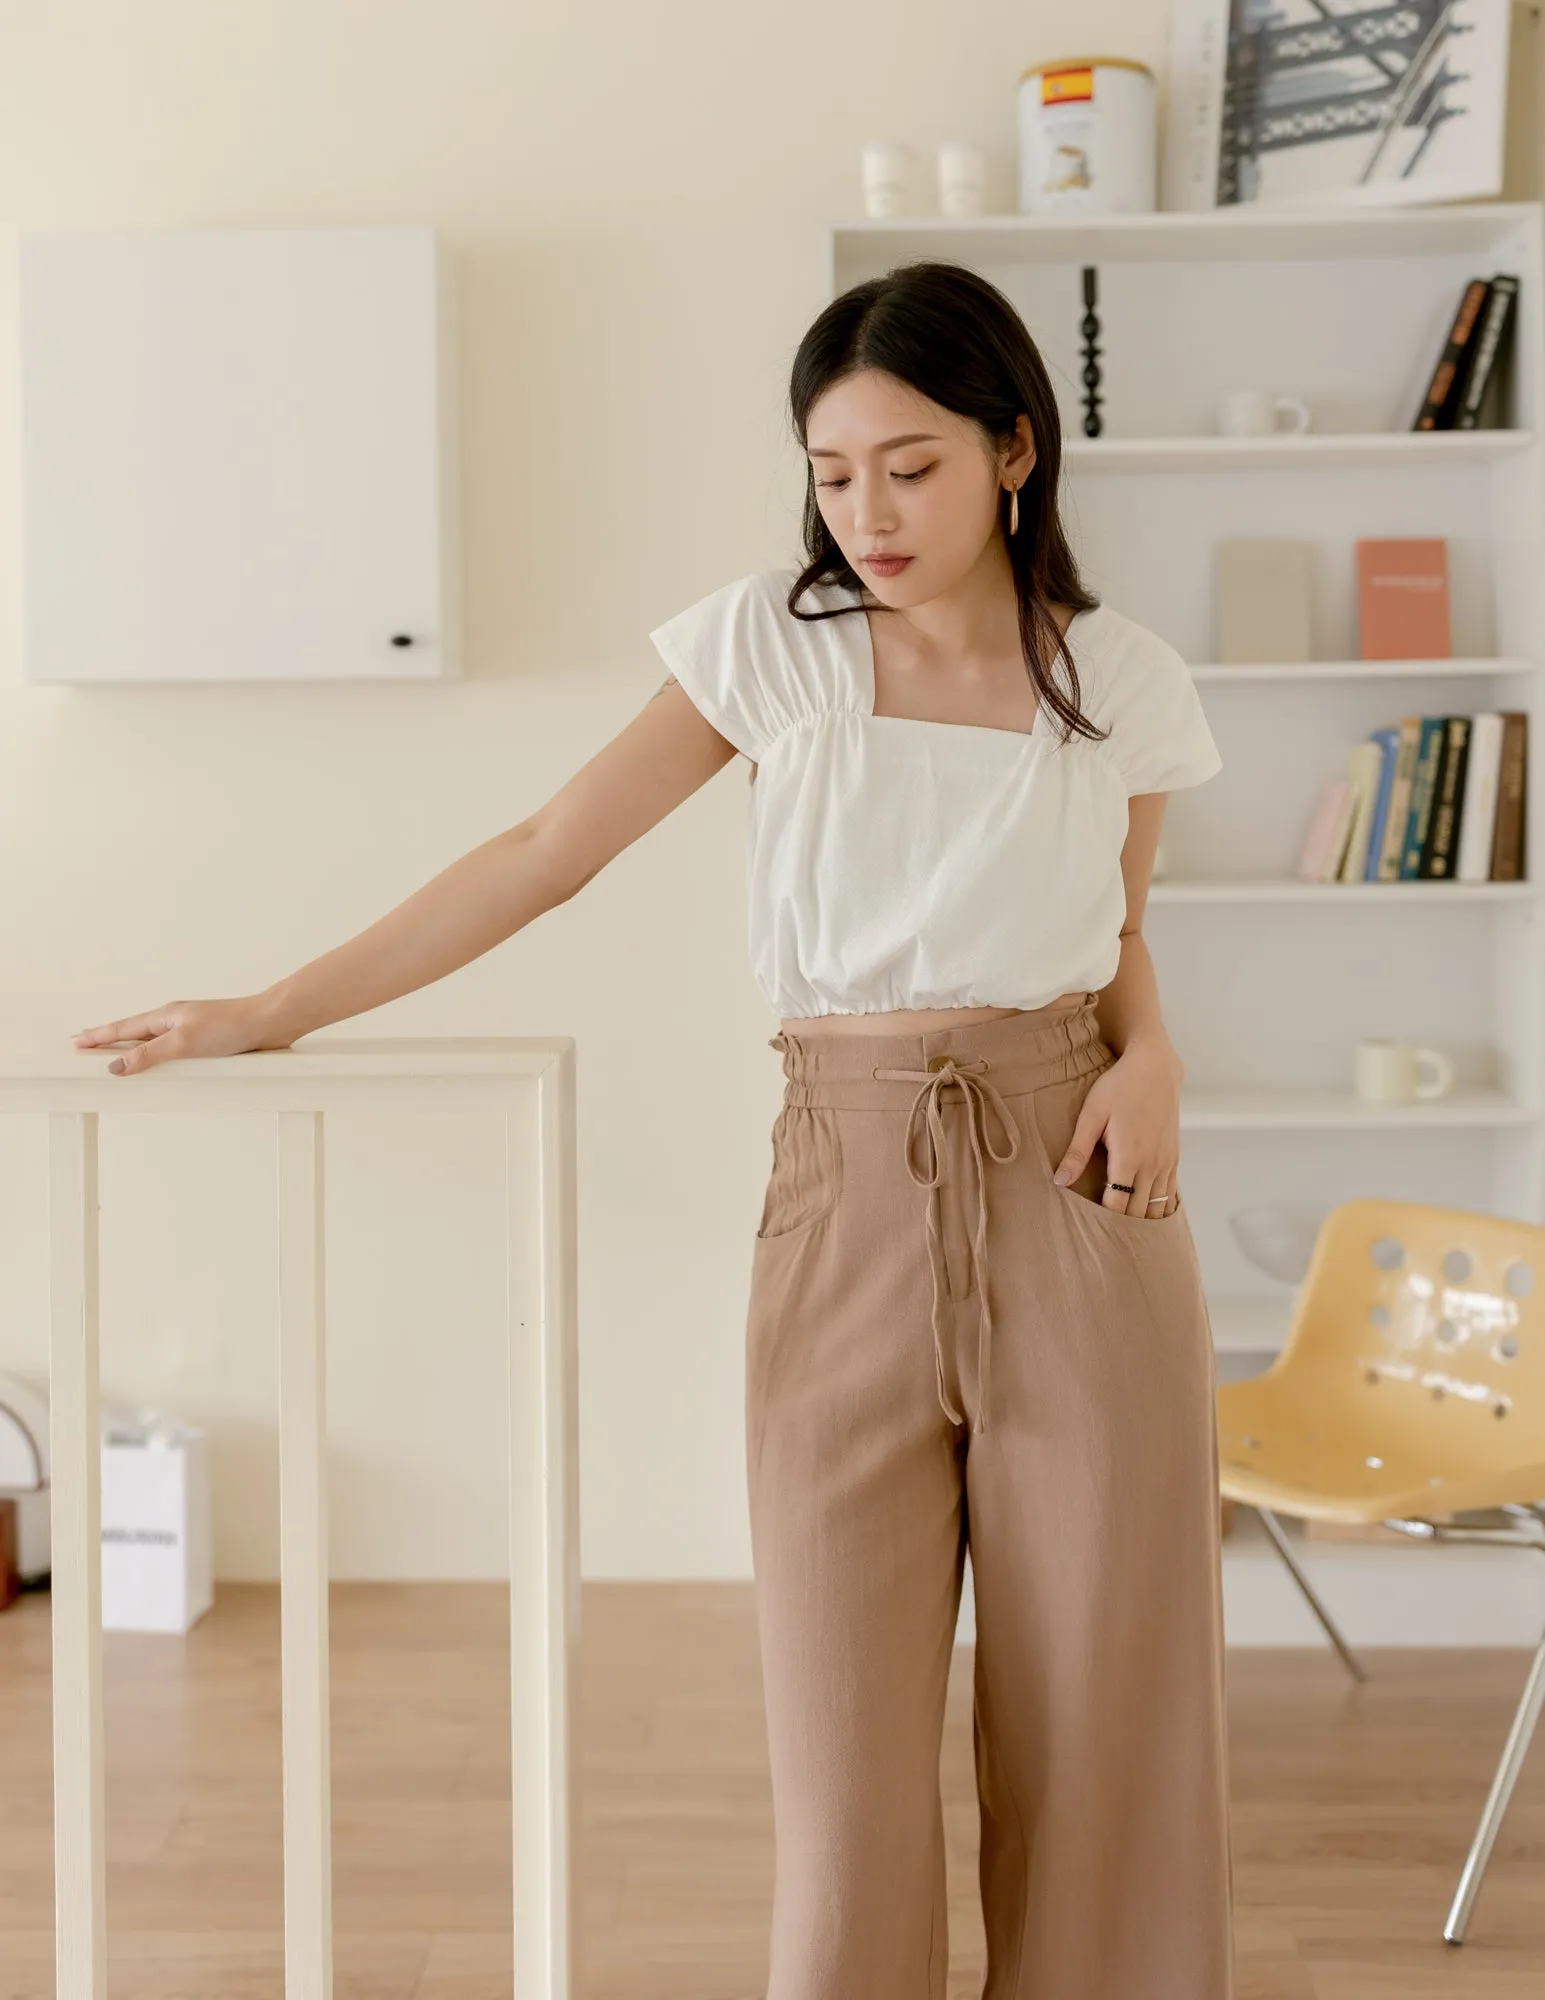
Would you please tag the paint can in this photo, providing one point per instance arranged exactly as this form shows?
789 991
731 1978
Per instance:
1088 137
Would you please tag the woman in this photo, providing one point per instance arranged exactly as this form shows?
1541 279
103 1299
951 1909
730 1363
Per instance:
960 761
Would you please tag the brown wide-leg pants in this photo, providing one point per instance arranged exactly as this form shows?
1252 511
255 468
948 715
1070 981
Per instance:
1068 1436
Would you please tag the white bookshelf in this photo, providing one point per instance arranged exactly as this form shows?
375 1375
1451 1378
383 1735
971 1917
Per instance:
1340 670
1293 454
1269 981
1213 890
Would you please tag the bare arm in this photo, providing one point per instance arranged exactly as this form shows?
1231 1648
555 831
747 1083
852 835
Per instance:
1129 1006
659 759
667 752
1138 1118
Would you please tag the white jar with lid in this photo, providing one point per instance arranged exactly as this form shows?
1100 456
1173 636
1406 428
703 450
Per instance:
1088 137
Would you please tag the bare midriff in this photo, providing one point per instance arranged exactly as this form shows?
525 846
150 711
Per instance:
909 1020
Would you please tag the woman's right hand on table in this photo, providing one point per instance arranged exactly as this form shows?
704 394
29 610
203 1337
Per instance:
185 1028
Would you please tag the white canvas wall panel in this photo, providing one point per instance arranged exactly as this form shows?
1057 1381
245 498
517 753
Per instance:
237 455
1272 103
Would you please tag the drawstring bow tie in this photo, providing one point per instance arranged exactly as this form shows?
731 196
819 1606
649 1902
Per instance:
979 1094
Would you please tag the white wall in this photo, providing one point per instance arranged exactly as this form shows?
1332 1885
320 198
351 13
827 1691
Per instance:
636 199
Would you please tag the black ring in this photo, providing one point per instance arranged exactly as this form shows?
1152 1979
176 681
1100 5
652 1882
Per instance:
1123 1187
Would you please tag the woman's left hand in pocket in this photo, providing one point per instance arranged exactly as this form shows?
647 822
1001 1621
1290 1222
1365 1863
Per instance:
1135 1106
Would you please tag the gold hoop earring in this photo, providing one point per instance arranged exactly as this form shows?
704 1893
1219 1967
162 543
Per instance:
1013 510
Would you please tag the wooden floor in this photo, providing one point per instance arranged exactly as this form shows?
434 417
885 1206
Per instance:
1354 1807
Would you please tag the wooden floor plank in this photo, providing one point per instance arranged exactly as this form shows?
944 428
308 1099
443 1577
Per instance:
1353 1807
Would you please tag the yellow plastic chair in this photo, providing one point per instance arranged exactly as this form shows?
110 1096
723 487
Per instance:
1410 1391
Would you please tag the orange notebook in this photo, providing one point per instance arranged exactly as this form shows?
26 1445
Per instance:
1402 600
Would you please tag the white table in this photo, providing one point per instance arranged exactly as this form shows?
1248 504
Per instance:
530 1083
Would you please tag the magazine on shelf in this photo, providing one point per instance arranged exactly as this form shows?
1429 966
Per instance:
1403 599
1261 589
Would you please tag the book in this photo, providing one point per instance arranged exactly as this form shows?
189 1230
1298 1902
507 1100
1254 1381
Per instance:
1430 798
1342 832
1423 778
1262 594
1481 401
1400 799
1446 383
1479 818
1388 741
1324 840
1363 762
1507 852
1448 799
1402 599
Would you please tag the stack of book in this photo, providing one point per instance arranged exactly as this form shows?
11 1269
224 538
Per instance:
1467 388
1435 798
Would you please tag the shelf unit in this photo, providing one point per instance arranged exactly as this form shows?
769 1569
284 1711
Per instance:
1270 890
1267 984
1340 670
1293 454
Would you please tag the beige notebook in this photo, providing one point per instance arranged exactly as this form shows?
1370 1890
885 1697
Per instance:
1262 601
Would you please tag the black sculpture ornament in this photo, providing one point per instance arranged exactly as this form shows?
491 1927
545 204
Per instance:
1089 327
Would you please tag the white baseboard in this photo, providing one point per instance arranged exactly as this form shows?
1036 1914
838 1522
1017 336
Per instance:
1422 1595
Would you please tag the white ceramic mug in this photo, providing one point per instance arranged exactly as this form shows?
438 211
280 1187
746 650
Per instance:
962 178
1390 1072
1258 413
887 171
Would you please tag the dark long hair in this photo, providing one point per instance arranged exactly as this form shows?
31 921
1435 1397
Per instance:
955 338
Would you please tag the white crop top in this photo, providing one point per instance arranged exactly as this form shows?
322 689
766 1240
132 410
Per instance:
892 862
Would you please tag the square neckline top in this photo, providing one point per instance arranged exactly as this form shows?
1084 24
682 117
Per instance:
867 684
906 861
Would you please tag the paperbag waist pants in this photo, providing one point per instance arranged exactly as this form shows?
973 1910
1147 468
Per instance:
945 1348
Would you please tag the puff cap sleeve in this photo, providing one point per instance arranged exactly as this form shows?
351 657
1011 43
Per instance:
1159 740
734 654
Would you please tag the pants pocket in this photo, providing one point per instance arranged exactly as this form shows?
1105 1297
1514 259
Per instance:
1050 1114
806 1176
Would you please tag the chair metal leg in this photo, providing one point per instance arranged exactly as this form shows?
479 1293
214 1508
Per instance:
1284 1549
1525 1717
1513 1754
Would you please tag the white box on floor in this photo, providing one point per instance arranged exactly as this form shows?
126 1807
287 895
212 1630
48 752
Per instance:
24 1470
155 1529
